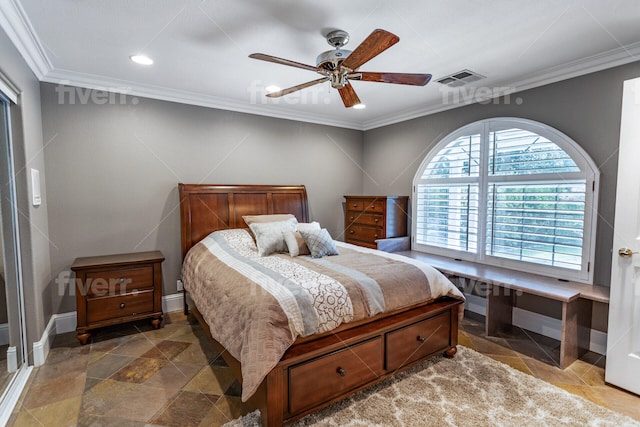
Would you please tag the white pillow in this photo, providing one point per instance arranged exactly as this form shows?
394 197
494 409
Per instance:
320 243
269 235
295 243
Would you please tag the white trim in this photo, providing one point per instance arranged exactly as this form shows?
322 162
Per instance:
66 322
12 393
8 89
538 323
16 24
4 334
12 359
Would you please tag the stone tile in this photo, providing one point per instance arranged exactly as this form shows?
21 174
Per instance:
109 344
619 401
464 340
24 419
134 347
487 347
234 390
582 391
61 413
536 350
89 383
166 349
45 393
197 354
173 375
107 365
139 370
62 364
211 380
588 373
188 409
233 407
143 404
167 331
86 420
514 361
550 373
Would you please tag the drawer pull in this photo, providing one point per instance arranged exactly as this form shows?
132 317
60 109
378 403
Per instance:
421 339
355 205
376 220
121 280
341 371
352 218
375 236
121 305
351 231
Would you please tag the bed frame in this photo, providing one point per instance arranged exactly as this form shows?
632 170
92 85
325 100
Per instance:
319 370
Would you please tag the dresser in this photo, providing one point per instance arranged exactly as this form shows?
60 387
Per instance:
370 218
114 289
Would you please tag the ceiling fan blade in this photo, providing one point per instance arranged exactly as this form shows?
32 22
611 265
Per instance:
396 78
349 96
377 42
269 58
296 88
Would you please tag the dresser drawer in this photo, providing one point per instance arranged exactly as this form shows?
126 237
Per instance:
106 308
416 341
374 205
321 379
365 218
364 234
356 205
118 281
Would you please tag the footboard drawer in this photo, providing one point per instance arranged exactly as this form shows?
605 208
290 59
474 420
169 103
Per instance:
319 380
418 340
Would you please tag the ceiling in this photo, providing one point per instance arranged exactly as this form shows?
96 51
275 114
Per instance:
201 49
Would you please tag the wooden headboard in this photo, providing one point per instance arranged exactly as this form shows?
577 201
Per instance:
205 208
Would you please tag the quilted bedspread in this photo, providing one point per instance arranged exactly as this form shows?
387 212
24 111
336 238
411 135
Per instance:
257 306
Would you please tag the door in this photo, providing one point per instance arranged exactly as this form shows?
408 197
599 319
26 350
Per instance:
623 338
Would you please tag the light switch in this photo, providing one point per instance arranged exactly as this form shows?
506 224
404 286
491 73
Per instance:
35 187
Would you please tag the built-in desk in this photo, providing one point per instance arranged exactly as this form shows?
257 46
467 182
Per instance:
504 284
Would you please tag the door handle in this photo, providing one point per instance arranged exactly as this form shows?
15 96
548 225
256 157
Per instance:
626 252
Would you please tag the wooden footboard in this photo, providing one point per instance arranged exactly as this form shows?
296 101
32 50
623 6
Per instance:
318 372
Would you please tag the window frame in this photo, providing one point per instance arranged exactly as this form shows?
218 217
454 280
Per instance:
588 172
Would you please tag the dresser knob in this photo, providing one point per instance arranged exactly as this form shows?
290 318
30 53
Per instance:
341 371
376 220
421 339
351 218
375 236
351 231
121 280
121 305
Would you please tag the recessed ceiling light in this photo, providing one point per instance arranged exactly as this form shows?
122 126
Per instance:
360 106
272 88
141 59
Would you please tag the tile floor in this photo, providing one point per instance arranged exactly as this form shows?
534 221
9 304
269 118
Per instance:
132 375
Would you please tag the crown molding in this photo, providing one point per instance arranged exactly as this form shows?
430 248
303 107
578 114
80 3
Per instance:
602 61
89 81
16 24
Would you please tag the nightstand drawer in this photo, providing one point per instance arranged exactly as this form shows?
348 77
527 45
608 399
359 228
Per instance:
133 304
118 281
366 218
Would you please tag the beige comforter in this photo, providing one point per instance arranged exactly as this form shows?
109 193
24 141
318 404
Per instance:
257 306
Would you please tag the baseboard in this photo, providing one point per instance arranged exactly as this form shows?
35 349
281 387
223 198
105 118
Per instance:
538 323
4 334
66 322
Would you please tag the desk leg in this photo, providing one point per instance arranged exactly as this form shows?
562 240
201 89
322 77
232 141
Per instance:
499 309
576 330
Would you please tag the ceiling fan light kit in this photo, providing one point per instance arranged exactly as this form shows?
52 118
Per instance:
339 66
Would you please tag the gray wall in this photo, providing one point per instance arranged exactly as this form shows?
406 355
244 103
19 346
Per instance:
113 170
586 108
33 222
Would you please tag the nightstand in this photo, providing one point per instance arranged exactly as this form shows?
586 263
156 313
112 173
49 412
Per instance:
114 289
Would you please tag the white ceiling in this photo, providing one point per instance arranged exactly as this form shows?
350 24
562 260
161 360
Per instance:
201 49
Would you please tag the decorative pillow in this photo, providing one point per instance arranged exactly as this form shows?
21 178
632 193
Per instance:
319 242
269 235
308 226
295 243
251 219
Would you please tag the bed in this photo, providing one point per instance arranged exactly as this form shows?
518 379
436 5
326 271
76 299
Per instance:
310 365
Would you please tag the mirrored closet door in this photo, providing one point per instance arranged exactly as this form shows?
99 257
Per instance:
12 338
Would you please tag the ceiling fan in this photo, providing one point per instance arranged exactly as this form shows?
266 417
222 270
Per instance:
340 66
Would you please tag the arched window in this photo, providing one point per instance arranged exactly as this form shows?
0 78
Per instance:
509 192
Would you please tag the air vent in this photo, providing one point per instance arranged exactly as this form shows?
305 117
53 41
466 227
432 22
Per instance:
460 78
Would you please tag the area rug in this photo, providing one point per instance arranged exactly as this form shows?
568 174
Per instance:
469 390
